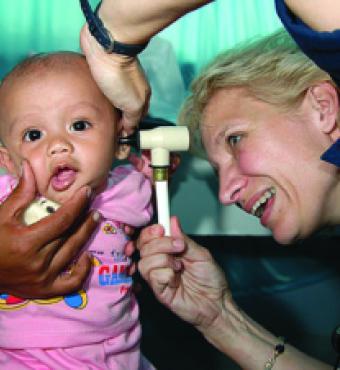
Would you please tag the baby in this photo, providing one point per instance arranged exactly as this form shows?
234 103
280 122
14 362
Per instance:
53 115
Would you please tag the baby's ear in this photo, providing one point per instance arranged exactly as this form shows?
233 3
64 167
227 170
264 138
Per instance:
6 161
122 150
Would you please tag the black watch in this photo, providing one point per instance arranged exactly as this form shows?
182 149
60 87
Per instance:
103 36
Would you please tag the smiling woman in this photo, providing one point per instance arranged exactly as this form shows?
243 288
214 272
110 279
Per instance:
278 102
263 114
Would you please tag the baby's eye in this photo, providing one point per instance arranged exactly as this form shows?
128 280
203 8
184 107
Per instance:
233 140
80 126
32 135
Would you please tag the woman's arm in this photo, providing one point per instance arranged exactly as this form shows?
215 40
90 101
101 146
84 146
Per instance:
120 77
186 279
134 22
321 15
250 345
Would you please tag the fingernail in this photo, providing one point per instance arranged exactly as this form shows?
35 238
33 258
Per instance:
21 169
147 153
134 159
89 192
91 257
155 230
178 244
96 216
177 265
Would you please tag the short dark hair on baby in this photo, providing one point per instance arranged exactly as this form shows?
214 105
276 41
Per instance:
38 63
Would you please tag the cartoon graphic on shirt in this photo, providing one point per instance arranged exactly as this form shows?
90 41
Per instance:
108 228
107 274
76 300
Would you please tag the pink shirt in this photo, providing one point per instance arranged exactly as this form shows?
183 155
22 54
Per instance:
106 308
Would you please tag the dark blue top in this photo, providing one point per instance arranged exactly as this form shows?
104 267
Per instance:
322 47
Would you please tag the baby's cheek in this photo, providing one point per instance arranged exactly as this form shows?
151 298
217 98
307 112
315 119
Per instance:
40 174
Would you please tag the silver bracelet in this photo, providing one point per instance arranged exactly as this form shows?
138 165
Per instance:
278 350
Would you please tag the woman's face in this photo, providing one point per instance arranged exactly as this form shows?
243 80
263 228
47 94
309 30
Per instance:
269 162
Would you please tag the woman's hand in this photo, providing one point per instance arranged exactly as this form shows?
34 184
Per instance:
32 258
182 274
121 78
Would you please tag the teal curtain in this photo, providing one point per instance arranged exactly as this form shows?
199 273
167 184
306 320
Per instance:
30 26
200 35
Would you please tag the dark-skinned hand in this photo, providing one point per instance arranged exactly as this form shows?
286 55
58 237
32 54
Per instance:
33 258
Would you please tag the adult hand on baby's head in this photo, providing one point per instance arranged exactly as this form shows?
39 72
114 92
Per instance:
33 257
121 79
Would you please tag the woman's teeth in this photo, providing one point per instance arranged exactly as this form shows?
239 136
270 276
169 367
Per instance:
259 206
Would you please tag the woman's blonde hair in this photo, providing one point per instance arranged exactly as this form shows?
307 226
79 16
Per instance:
271 69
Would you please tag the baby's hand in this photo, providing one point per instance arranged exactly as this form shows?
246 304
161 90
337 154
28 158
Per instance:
143 163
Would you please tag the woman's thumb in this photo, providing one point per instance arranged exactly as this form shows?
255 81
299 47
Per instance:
176 230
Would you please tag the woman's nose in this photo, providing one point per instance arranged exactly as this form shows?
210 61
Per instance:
59 146
231 184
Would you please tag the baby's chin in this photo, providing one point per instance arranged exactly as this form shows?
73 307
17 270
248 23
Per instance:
60 197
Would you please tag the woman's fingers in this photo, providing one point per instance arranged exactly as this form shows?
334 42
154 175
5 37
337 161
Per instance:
72 280
21 196
161 279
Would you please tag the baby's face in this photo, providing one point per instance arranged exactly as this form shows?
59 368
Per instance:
62 124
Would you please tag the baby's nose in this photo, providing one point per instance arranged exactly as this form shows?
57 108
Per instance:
59 147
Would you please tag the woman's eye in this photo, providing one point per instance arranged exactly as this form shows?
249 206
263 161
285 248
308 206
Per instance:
234 139
32 135
80 126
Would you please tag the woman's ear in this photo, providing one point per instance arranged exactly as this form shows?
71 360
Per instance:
325 100
6 161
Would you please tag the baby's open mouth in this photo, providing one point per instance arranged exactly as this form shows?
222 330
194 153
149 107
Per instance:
63 178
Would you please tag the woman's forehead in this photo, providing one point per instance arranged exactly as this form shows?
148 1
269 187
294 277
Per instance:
226 102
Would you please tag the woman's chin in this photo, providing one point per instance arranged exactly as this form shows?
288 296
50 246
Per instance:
285 237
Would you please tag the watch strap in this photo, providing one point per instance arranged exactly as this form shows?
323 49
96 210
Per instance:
103 36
